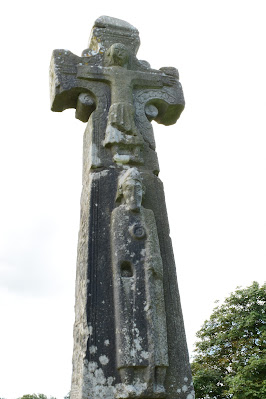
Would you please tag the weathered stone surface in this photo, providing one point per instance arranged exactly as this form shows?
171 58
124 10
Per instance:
140 319
129 338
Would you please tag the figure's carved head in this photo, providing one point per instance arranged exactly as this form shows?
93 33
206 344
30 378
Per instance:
118 54
131 189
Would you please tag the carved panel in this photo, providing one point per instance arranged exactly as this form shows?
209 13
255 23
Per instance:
141 334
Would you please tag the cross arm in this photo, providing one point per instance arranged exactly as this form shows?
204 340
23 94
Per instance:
63 82
164 103
66 90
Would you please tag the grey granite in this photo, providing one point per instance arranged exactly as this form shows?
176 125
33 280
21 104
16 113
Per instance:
129 338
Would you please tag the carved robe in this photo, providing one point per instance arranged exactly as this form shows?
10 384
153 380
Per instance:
122 134
141 334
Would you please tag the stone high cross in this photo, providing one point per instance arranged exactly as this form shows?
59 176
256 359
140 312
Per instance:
129 338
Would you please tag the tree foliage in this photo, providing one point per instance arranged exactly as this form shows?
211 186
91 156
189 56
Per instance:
36 396
40 396
230 355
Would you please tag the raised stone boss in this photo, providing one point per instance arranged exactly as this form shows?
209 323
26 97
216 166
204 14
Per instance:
129 338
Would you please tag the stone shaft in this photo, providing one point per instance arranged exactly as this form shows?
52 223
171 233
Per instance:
129 338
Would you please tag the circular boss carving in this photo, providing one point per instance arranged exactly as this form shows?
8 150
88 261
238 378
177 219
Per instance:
137 231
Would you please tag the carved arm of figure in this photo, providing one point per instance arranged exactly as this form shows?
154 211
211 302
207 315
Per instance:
97 73
157 79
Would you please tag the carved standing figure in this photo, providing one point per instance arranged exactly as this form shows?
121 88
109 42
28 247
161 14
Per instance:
141 334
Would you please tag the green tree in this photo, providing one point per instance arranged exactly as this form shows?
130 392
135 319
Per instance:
230 355
36 396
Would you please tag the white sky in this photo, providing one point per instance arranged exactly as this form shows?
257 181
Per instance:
212 163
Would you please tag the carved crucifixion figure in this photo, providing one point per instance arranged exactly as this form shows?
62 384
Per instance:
129 338
141 331
119 84
121 132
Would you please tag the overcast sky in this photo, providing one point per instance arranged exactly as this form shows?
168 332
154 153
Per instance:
212 164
